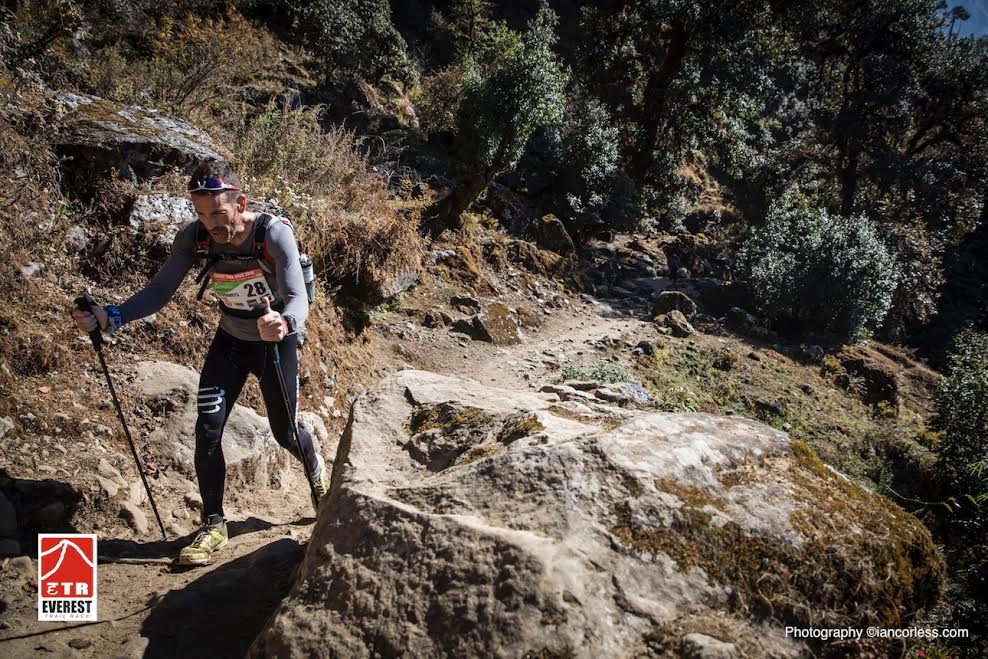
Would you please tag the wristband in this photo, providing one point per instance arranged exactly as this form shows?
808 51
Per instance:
114 318
291 325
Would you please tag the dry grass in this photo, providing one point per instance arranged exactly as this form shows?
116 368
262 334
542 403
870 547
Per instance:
322 180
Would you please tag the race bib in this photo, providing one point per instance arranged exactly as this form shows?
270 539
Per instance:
242 290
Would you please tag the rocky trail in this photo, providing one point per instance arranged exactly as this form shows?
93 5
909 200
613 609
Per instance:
151 608
509 490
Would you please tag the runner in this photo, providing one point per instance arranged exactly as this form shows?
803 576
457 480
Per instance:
251 260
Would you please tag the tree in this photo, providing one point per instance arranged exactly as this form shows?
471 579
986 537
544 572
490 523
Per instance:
352 37
680 77
512 85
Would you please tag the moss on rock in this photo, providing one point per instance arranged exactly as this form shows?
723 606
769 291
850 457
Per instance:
856 559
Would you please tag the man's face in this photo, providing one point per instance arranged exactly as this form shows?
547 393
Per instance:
222 217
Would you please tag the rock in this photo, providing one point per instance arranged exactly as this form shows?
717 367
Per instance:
134 648
772 407
110 474
701 646
647 347
193 500
96 135
79 643
496 325
538 261
23 566
611 396
315 426
814 353
76 239
513 211
676 322
746 324
109 487
160 216
136 494
807 388
253 458
740 319
582 385
398 283
598 534
135 517
714 296
6 425
634 392
465 303
551 234
667 301
558 389
32 269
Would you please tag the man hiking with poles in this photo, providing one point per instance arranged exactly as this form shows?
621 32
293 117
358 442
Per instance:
252 266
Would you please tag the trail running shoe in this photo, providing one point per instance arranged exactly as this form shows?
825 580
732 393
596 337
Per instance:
212 536
320 482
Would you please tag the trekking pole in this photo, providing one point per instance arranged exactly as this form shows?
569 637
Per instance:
85 304
264 309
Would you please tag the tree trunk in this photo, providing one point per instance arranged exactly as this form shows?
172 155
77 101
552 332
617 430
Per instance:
650 112
849 178
447 211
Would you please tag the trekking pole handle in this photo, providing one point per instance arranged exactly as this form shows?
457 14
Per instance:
264 309
85 303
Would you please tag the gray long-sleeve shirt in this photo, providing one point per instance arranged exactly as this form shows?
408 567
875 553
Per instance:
238 283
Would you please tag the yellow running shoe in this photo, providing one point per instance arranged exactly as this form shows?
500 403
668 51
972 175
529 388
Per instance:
320 482
212 536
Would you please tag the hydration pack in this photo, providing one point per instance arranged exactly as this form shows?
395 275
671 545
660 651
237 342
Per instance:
258 252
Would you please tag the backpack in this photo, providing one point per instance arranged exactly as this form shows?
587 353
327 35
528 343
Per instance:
258 252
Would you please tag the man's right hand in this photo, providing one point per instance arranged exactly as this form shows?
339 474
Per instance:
86 320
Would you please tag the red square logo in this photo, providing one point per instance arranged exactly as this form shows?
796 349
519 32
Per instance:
66 576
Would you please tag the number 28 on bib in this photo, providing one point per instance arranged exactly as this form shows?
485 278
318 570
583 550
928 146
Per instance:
242 290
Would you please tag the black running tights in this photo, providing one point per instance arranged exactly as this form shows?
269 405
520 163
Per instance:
228 363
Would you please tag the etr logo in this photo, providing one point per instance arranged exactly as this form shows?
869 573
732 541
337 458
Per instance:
66 576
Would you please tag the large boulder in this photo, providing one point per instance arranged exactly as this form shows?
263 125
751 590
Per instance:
95 135
160 216
167 393
551 233
471 521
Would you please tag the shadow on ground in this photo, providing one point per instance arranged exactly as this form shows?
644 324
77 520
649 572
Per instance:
169 549
219 614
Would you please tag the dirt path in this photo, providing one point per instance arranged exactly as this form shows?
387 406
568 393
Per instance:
154 609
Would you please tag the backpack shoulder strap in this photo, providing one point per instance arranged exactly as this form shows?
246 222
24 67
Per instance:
260 247
203 244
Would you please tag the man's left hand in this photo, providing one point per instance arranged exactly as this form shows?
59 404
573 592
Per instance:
272 326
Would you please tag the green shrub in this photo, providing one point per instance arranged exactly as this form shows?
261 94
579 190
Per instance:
604 372
962 414
577 168
813 270
511 85
352 37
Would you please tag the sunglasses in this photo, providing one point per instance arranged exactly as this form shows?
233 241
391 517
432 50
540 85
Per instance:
212 184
